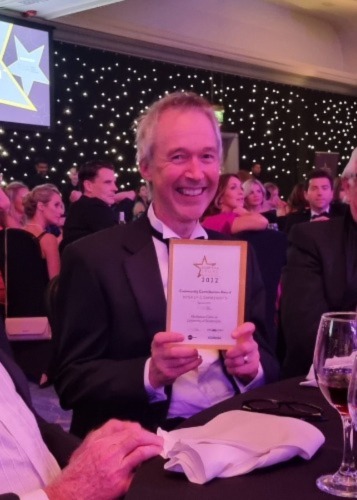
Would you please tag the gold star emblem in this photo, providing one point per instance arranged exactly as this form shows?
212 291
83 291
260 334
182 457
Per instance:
203 266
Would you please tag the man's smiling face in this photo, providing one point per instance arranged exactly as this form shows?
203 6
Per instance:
184 169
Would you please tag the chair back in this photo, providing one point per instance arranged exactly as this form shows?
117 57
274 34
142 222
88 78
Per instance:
26 278
270 248
24 272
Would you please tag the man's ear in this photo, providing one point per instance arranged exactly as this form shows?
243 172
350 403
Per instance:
87 186
145 170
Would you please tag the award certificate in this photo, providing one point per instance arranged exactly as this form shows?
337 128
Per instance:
206 291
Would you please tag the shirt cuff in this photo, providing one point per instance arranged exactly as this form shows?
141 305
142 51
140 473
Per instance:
154 395
34 495
257 381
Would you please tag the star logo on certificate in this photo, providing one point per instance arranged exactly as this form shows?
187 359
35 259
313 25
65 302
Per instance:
204 266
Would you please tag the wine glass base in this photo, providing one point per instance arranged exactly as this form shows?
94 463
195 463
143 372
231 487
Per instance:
339 485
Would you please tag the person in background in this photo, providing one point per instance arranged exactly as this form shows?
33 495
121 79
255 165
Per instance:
320 276
226 213
256 172
274 202
255 200
44 207
14 216
41 175
141 201
33 451
93 211
114 355
296 200
318 194
70 190
339 193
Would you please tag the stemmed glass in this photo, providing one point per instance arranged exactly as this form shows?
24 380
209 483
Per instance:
335 350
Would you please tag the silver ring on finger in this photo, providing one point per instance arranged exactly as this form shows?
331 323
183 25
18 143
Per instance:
245 359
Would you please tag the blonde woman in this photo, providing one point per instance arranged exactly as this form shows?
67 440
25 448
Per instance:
44 207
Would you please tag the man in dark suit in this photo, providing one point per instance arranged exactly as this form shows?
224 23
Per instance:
114 357
94 209
102 466
320 276
318 194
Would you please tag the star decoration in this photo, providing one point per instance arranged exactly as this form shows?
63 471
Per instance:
27 66
10 91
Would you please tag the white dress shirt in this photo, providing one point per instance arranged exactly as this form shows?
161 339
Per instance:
26 464
207 385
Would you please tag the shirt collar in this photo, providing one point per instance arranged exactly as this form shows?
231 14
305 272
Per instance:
313 212
198 231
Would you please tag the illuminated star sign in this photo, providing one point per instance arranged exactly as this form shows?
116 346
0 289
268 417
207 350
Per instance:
203 266
27 66
11 93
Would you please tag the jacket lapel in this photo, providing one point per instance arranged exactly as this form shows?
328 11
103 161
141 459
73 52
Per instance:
143 273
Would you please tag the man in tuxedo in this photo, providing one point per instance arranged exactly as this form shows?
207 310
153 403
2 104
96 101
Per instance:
320 276
93 208
32 451
114 357
318 194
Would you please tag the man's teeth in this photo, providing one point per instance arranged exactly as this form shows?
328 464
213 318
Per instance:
191 191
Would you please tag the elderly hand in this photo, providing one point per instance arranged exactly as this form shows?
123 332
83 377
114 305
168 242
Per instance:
242 360
102 468
169 360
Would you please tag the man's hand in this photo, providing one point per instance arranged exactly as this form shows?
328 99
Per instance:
242 360
318 219
124 194
74 196
169 360
102 468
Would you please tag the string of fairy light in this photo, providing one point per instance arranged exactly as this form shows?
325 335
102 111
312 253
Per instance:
99 94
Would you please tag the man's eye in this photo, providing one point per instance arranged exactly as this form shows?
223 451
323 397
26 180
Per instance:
179 157
208 157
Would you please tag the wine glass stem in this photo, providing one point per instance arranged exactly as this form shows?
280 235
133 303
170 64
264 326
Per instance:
348 465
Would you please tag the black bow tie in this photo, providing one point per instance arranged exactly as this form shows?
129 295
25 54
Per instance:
156 234
159 236
323 214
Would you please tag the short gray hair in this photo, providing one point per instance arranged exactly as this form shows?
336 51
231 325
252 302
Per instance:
145 126
350 170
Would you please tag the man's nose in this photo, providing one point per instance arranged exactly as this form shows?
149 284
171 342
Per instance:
194 168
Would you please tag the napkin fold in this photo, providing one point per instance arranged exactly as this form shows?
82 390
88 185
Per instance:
310 380
236 442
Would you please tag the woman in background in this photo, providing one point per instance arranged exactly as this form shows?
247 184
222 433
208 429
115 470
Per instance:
141 201
14 215
44 207
226 214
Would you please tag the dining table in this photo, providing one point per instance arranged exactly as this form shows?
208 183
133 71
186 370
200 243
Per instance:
294 479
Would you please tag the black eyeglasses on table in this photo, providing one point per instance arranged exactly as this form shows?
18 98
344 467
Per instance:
295 409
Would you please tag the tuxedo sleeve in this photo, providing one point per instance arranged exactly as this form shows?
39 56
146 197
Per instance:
100 356
303 300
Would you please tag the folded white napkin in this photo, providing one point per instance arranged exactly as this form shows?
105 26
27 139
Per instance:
310 380
237 442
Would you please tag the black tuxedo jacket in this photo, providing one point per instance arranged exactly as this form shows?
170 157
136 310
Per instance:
86 216
59 442
336 210
315 280
111 303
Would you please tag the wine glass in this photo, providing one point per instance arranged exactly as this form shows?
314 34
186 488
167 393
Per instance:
352 395
335 350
